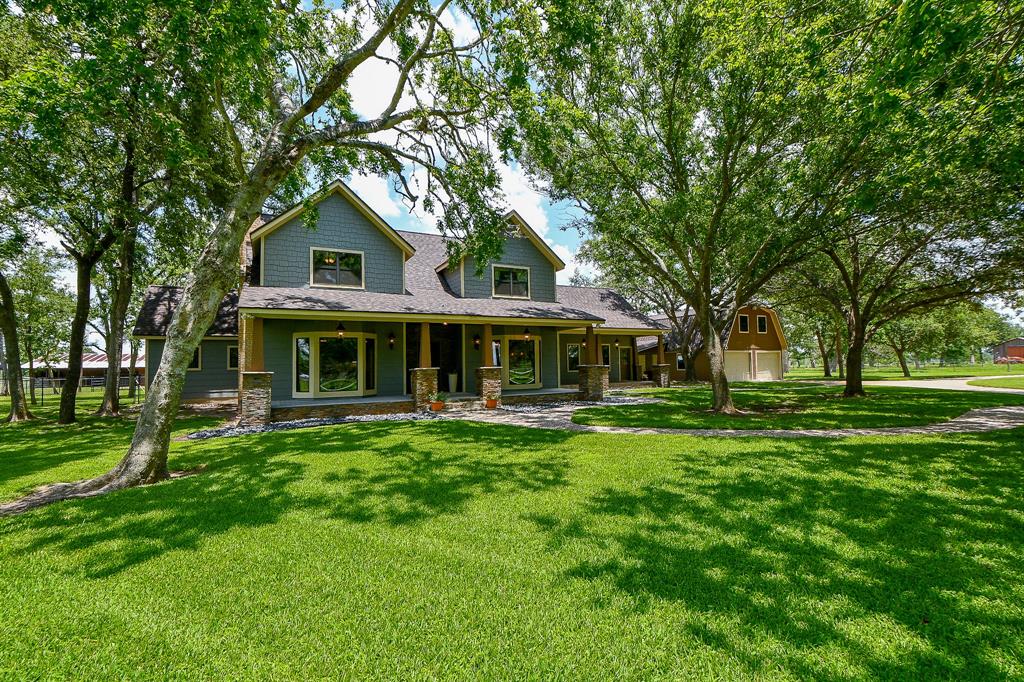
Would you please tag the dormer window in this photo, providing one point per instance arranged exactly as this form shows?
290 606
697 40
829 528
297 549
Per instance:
334 268
511 282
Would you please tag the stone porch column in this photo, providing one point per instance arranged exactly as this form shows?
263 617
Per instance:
254 398
659 373
593 380
424 384
488 383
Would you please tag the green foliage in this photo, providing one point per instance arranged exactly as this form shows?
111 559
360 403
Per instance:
43 305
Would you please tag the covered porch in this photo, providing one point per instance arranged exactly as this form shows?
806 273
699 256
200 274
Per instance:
294 366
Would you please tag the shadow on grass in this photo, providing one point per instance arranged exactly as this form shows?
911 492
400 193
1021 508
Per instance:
413 473
850 546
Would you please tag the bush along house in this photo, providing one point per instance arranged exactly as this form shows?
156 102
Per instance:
355 317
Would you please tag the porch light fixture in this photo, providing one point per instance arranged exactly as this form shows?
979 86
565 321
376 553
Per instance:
476 341
616 343
391 340
340 329
526 333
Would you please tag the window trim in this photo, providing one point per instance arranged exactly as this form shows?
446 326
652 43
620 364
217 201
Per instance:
759 318
228 361
331 249
539 359
314 364
494 281
579 357
197 352
609 347
739 323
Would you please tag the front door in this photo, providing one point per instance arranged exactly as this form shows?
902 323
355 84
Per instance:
626 364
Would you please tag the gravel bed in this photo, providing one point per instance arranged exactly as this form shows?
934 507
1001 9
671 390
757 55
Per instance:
226 431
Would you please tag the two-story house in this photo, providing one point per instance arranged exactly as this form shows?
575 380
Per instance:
355 316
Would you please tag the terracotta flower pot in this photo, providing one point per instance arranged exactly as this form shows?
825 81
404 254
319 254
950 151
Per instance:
491 404
436 406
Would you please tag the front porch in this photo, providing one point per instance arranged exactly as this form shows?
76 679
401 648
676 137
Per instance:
328 367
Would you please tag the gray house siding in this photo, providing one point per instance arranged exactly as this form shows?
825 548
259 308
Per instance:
453 278
277 352
286 252
517 251
564 340
214 380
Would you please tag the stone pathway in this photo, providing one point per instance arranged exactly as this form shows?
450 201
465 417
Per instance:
560 417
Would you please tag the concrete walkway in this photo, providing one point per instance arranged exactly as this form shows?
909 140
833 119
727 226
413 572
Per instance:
949 384
560 417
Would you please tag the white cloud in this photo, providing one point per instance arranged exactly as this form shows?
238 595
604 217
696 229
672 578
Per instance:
375 190
520 196
572 266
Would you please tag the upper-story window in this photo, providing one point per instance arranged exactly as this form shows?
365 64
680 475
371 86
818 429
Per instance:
744 324
511 281
762 324
333 268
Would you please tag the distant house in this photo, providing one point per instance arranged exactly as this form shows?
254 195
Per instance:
1011 348
754 348
355 315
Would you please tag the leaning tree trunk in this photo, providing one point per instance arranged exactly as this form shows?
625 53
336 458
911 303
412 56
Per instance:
855 364
902 357
83 292
213 275
12 354
826 362
111 405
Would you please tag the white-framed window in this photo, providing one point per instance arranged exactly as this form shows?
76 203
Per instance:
519 358
510 281
196 364
762 324
606 354
232 357
572 357
680 361
327 365
744 324
336 268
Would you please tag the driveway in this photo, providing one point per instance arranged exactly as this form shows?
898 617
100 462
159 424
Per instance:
949 384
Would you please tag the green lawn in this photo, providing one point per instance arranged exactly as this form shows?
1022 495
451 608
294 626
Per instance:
456 550
783 405
929 372
1007 382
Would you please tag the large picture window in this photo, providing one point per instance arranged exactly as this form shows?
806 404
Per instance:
520 361
511 282
330 268
572 357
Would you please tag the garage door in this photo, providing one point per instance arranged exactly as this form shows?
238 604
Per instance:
737 365
769 365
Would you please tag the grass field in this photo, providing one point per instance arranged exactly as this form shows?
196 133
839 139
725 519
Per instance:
458 550
1006 382
929 372
784 405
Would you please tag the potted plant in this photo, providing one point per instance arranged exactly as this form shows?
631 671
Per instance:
491 403
437 401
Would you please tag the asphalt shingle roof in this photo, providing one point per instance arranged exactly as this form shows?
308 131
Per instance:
158 309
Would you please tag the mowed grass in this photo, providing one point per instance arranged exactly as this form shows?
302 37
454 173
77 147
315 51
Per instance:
459 550
782 405
896 374
1005 382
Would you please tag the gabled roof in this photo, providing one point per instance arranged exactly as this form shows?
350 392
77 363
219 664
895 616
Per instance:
528 232
340 188
607 304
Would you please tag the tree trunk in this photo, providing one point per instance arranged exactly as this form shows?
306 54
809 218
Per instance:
901 356
214 273
83 292
31 367
917 362
12 354
111 405
855 364
133 366
721 397
691 366
825 362
839 356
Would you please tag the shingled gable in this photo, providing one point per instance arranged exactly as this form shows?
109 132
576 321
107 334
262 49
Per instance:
528 232
340 188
